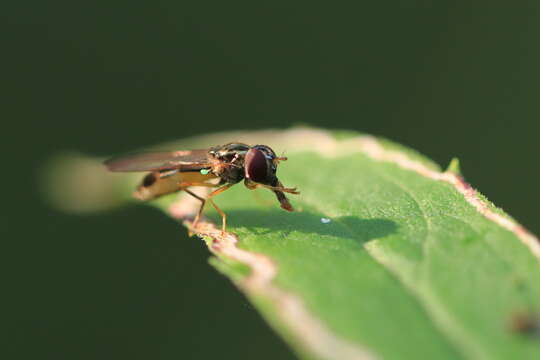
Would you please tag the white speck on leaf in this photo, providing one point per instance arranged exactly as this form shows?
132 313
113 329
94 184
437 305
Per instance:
325 220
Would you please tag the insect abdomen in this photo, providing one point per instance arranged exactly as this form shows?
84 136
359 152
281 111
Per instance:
155 184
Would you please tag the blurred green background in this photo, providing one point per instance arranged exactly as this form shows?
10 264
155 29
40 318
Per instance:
104 77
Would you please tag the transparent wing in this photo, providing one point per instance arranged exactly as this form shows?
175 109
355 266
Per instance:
156 161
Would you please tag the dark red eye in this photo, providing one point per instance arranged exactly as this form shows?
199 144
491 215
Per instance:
256 166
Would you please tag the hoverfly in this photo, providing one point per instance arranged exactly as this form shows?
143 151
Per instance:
231 163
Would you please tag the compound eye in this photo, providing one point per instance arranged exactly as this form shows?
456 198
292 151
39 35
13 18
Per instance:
266 150
256 166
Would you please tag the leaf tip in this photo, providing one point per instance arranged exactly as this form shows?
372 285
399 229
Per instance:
454 167
80 184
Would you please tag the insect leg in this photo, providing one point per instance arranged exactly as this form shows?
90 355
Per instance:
203 202
223 215
280 188
184 185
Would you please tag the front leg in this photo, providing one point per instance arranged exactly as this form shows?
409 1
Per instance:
253 185
278 190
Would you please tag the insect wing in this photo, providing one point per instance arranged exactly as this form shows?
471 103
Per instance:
156 161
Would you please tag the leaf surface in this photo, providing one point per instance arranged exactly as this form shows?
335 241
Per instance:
386 257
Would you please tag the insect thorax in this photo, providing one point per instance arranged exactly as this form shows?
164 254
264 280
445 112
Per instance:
228 162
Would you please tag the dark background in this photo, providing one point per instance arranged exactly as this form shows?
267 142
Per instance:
105 77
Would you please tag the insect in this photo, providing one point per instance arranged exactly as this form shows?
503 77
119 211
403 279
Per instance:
231 163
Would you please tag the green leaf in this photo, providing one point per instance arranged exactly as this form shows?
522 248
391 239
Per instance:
386 257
